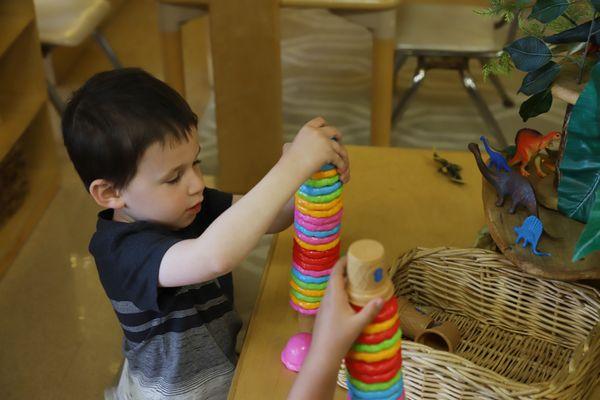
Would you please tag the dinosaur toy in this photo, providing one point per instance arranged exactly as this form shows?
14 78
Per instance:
530 233
529 143
509 183
452 171
497 160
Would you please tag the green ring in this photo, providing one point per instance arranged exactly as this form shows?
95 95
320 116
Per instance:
326 198
376 348
375 387
302 297
310 286
322 182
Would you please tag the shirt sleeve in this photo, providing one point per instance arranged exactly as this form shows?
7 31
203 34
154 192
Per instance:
128 264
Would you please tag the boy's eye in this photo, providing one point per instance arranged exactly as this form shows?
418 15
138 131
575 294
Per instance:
174 180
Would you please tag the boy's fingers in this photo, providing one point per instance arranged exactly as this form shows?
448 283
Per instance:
366 315
317 122
339 269
331 132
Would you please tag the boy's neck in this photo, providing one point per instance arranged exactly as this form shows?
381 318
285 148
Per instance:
120 216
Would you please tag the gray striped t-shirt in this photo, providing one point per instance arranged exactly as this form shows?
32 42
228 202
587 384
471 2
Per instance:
179 343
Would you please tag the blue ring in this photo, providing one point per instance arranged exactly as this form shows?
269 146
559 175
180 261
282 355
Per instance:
395 390
318 191
327 167
318 234
309 279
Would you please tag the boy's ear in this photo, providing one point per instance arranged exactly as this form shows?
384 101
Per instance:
105 194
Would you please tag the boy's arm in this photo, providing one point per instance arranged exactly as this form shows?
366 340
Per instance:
231 237
284 218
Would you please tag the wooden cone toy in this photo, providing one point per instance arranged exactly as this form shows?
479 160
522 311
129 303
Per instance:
374 363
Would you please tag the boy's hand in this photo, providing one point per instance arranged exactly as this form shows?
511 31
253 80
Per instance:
337 325
312 148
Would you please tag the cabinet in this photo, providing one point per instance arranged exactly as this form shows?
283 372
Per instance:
25 128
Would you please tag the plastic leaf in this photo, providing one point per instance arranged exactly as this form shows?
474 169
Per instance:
548 10
540 79
535 105
589 241
580 164
596 4
577 34
529 53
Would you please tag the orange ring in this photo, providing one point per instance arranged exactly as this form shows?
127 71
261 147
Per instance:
319 247
307 205
304 304
324 174
320 214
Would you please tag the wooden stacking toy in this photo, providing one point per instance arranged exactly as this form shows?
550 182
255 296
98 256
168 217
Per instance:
317 222
374 363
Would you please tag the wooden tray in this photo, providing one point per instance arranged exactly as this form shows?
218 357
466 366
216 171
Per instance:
567 231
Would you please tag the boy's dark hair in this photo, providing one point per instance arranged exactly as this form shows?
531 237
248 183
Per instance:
115 116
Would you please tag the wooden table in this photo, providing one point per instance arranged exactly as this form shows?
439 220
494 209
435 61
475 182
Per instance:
395 196
245 49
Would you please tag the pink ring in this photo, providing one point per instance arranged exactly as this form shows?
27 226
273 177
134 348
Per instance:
302 310
319 221
315 274
317 240
317 228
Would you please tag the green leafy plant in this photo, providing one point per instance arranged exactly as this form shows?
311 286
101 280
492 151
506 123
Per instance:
555 34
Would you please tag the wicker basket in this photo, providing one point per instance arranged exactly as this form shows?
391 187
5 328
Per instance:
522 337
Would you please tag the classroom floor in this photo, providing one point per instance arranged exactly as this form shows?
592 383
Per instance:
59 337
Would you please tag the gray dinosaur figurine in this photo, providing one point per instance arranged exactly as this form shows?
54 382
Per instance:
509 183
530 232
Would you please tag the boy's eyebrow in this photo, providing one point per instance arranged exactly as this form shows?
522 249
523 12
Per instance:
180 166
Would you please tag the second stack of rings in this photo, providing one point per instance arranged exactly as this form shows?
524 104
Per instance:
317 221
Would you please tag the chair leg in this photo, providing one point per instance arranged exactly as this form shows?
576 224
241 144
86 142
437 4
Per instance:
486 114
417 79
107 49
506 100
57 101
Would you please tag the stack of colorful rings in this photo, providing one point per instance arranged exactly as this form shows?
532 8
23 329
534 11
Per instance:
374 363
317 220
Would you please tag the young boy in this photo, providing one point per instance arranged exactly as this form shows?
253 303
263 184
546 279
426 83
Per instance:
165 245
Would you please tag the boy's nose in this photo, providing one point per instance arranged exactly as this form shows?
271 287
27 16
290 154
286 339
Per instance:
196 184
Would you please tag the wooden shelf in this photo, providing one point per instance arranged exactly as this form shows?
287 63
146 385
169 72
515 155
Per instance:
10 29
23 87
24 121
42 176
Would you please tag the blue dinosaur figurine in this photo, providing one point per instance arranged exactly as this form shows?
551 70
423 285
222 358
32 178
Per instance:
530 232
496 159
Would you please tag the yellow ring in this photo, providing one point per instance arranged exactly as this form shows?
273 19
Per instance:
318 247
307 292
304 304
302 204
381 326
324 174
322 214
374 357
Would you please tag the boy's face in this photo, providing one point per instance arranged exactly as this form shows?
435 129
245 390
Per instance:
167 187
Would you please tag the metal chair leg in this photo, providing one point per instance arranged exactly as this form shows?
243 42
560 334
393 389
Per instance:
506 100
486 114
417 79
57 101
107 49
